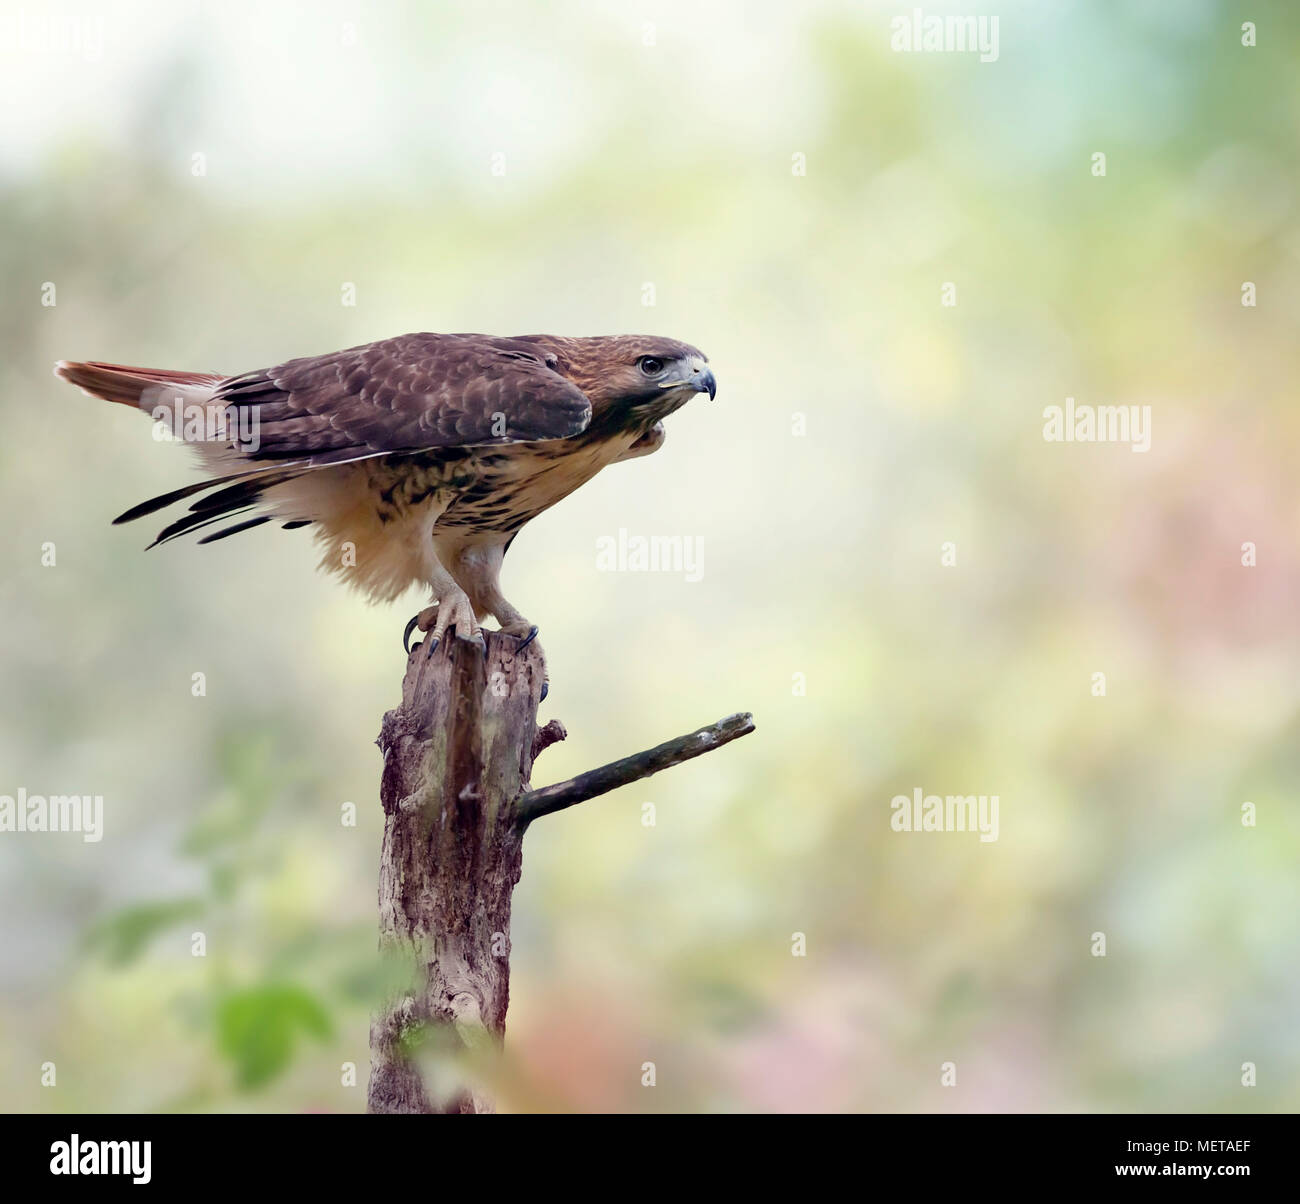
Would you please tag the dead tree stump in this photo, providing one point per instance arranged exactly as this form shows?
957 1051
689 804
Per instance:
458 756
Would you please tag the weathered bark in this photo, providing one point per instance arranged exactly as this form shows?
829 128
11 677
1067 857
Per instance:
458 753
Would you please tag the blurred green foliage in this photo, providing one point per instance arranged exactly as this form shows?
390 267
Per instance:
258 1027
123 935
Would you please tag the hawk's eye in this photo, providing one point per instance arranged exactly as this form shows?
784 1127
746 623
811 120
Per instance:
651 365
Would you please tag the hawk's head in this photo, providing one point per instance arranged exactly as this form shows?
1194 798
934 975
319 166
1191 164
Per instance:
632 376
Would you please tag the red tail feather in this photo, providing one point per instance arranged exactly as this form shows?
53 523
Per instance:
123 384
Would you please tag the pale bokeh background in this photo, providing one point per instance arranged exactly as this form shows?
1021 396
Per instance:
354 143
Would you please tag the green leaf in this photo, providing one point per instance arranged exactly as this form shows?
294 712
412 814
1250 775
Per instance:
124 935
258 1028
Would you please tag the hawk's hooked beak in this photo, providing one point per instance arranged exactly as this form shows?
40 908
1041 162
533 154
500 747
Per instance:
698 376
693 374
705 382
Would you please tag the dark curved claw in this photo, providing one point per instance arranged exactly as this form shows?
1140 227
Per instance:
478 639
546 689
430 645
528 639
406 635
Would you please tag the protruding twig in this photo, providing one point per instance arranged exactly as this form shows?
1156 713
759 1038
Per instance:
544 737
594 782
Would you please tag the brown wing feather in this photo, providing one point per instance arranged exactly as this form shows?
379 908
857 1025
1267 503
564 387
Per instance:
409 393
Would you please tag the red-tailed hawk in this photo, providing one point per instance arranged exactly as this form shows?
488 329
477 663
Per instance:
416 458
